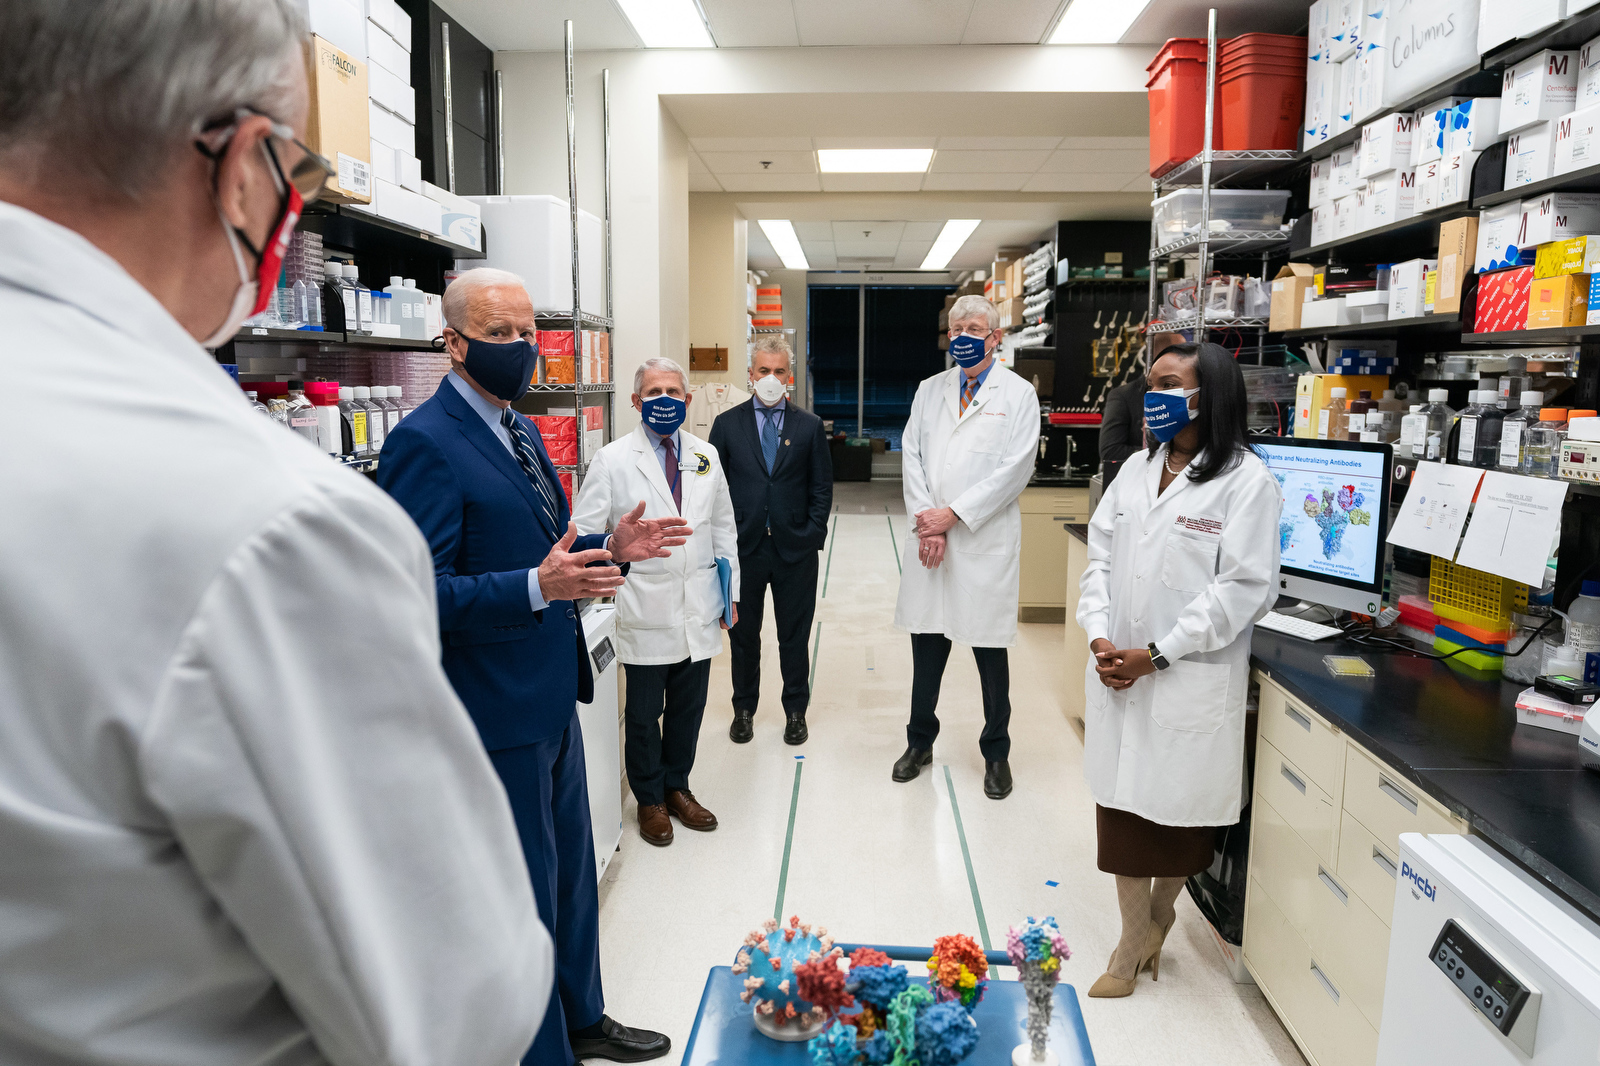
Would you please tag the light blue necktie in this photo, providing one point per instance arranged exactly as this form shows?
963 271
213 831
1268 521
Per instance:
769 437
529 461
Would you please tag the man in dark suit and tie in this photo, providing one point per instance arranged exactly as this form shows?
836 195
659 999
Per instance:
781 479
474 476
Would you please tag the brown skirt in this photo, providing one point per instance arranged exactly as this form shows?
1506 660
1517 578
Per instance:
1131 846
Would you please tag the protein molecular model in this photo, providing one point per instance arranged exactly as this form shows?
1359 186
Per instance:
958 970
784 963
1037 950
898 1024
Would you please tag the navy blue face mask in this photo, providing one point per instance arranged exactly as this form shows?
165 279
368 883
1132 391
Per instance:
664 414
967 351
1166 412
503 370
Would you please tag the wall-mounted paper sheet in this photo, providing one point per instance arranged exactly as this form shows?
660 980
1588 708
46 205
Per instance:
1435 509
1514 525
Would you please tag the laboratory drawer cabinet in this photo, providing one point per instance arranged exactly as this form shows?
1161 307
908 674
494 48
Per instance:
1046 515
1325 826
1072 505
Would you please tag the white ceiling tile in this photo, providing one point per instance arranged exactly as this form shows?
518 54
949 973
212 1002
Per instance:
989 182
1009 21
1140 144
992 144
820 256
1139 184
750 144
866 249
991 162
703 183
882 22
751 23
871 182
770 183
922 231
752 162
697 165
875 142
756 242
813 231
867 229
1075 183
1118 161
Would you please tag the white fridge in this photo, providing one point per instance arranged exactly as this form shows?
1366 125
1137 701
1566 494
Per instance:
1486 966
601 755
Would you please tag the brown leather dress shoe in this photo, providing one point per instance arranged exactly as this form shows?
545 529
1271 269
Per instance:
687 810
654 825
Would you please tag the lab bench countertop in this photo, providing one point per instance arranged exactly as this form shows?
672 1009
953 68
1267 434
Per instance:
1057 479
1454 732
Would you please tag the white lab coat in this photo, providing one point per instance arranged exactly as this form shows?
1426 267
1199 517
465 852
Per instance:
977 462
1191 569
669 609
243 817
708 401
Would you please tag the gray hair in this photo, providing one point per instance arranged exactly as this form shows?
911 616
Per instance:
459 293
773 344
112 88
972 307
662 363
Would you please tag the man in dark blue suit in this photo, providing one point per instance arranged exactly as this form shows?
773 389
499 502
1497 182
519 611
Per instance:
474 476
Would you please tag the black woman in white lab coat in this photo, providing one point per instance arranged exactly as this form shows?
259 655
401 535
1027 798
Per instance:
1183 559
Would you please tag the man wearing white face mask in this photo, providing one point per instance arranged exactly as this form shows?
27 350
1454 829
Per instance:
244 816
781 478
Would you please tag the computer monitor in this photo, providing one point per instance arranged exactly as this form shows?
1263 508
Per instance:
1335 519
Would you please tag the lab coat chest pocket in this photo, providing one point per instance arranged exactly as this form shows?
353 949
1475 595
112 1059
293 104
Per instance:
1191 697
989 430
1190 562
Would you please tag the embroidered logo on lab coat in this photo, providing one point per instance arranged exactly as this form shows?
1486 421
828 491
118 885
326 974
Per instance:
1205 525
705 465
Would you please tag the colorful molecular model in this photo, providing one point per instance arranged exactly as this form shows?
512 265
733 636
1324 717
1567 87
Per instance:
958 970
914 1029
1037 950
873 980
779 961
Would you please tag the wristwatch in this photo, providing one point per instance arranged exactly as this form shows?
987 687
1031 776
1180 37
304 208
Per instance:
1157 660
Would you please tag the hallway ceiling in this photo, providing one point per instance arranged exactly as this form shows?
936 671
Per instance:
881 244
521 25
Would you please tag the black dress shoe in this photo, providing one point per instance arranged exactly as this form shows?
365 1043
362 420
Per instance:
742 730
997 779
621 1044
909 765
795 731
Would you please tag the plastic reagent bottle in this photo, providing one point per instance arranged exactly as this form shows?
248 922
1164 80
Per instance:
324 395
397 393
255 402
302 415
1408 430
1393 410
1583 628
1512 436
1373 429
375 418
363 298
1467 429
1356 418
1439 419
1491 423
1541 450
341 297
353 431
391 408
1331 423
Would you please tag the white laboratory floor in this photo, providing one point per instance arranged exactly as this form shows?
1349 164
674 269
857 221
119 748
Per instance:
877 861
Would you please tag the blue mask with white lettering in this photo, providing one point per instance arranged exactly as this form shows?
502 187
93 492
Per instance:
664 414
1167 412
967 351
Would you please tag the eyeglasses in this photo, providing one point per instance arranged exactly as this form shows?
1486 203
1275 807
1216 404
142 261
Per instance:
310 173
973 331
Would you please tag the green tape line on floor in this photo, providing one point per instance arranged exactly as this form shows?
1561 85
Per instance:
788 843
894 545
966 856
833 536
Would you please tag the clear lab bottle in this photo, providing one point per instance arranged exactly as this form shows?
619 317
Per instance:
1513 435
1331 420
1541 450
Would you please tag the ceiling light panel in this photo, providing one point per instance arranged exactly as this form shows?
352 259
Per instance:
780 232
874 160
1096 21
951 238
667 23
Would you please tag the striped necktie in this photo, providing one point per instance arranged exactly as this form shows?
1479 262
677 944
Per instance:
967 392
528 459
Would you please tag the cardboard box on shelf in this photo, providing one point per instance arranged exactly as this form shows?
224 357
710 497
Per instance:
1321 182
1322 223
1474 125
1530 154
1543 86
1577 140
594 430
1576 255
1558 301
1433 128
1343 175
1458 245
1321 314
1392 196
1556 216
1288 294
1345 210
1311 395
336 122
1429 179
383 160
1455 179
460 219
1503 300
1407 287
410 168
1588 75
1497 237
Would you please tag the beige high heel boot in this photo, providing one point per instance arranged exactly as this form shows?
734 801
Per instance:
1133 949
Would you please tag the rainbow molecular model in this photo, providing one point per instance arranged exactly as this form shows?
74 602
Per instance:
958 970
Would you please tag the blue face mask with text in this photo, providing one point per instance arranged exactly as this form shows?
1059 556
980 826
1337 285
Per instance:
503 370
1167 412
664 414
967 351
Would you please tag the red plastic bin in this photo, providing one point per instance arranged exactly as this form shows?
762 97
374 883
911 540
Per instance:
1261 107
1177 91
1262 44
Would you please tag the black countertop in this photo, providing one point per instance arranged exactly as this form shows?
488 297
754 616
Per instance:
1453 732
1057 480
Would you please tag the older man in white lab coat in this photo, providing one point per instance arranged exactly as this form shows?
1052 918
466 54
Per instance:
969 451
243 817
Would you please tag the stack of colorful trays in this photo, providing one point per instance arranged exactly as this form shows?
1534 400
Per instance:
1485 648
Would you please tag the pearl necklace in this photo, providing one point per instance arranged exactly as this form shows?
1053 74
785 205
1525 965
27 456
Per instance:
1167 462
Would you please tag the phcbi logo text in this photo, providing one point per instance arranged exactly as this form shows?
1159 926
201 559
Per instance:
1422 884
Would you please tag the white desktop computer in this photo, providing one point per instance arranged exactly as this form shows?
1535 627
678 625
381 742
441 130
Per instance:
1335 519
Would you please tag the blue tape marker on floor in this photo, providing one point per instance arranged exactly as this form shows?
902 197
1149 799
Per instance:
1052 884
799 756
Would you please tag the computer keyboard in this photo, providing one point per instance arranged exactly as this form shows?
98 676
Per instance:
1291 626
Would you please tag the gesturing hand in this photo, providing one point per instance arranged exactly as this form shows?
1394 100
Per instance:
936 520
637 538
566 575
930 551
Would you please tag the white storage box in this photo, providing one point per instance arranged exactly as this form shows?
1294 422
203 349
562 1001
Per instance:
1322 223
1386 143
1320 75
1588 74
1504 20
1345 212
1392 196
1321 182
1344 27
1406 283
1178 213
1556 216
384 51
532 236
1363 219
460 219
1344 100
1428 177
339 22
1439 40
410 168
1474 125
1319 29
1455 178
392 94
383 163
1497 237
1368 99
391 129
402 205
1433 126
1541 87
1530 154
1343 178
1320 314
1577 140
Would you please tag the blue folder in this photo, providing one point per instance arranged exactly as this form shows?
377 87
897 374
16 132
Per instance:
725 575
